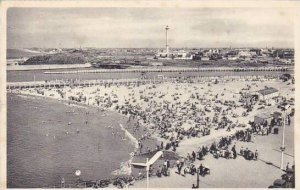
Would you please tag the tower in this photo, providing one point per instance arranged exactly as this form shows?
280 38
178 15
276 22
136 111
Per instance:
167 46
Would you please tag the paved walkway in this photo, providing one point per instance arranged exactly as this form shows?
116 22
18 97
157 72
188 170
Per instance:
238 173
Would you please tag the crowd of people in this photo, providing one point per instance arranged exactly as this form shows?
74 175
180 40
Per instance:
221 148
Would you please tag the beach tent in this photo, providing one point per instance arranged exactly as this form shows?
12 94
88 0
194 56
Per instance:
149 162
262 118
268 93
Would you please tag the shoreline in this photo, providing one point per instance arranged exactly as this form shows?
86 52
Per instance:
125 167
130 136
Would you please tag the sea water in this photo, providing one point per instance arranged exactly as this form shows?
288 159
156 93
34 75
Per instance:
48 140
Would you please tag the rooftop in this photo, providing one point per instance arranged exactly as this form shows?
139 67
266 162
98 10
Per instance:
267 91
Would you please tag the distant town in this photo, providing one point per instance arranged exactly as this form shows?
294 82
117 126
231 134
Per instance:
118 58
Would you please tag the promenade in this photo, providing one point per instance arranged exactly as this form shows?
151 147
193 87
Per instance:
236 173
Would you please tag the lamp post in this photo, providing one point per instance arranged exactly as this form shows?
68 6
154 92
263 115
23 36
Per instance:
282 148
198 180
148 164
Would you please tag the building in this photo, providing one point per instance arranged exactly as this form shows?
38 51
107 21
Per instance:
197 56
286 54
267 93
245 53
181 54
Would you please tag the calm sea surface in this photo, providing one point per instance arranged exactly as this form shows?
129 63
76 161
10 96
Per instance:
42 148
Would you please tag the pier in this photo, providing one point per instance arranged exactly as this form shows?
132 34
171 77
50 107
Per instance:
215 69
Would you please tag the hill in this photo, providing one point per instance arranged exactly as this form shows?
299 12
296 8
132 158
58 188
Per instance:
60 58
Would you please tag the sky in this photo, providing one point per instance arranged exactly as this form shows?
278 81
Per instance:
144 27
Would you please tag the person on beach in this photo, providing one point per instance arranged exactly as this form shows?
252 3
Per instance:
166 164
188 157
256 155
157 147
242 151
63 182
194 156
159 171
201 170
287 166
233 152
178 165
140 175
